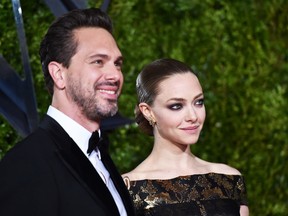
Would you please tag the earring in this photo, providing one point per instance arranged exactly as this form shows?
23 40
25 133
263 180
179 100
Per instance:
151 122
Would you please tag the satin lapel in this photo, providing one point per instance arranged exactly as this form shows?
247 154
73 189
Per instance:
118 182
80 167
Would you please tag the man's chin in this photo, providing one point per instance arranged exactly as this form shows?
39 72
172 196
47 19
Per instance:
108 112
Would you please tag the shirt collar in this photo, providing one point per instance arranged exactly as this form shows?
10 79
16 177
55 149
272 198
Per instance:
77 132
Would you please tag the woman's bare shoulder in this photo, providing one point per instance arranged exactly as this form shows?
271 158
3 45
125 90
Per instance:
224 169
127 175
218 168
134 175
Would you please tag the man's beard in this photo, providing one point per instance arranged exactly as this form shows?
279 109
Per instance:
90 105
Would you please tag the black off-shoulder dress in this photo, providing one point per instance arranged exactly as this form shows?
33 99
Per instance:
209 194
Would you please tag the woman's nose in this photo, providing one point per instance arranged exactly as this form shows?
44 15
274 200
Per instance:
191 115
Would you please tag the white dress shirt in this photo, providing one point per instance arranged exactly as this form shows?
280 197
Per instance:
81 137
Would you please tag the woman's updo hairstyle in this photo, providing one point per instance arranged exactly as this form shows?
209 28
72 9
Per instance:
147 85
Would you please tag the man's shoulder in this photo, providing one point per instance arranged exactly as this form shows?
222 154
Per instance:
29 147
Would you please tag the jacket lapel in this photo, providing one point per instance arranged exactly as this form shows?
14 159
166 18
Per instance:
79 166
118 182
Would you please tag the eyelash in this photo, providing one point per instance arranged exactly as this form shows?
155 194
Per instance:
97 62
176 106
118 64
200 102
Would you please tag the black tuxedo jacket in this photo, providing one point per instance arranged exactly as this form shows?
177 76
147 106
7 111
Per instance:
47 174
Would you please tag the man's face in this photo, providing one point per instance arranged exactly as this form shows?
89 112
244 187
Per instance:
94 77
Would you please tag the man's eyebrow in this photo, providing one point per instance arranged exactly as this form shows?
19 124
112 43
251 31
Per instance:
99 55
120 58
104 56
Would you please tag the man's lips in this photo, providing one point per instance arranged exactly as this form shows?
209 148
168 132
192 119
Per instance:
111 92
108 91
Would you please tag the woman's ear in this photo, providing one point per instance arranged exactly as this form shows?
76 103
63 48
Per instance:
145 109
56 72
147 112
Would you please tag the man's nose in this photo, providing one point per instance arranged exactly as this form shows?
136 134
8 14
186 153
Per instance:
113 72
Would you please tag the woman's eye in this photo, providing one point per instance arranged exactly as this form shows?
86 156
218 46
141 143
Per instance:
200 102
175 106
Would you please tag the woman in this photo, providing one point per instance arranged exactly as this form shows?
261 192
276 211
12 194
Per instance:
171 180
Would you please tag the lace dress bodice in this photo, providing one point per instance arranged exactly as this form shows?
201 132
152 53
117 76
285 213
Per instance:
209 194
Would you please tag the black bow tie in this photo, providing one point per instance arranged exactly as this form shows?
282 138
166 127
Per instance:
94 141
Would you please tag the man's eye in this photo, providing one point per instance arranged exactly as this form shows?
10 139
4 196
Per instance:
97 62
118 64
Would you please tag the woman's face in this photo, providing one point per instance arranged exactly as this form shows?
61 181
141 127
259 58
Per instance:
179 109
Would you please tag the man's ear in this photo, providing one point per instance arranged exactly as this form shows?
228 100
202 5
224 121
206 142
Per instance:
56 72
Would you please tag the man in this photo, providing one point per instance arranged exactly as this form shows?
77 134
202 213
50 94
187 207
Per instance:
54 171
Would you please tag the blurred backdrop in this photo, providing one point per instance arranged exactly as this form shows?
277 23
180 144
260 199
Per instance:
239 49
